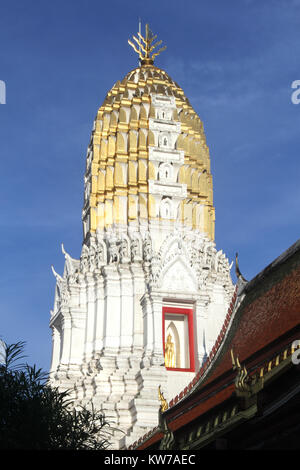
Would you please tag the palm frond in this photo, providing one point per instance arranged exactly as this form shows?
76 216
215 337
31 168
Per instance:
12 354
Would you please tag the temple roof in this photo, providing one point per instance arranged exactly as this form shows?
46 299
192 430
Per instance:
263 324
269 310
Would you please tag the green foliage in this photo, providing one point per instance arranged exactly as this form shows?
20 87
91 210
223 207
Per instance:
34 415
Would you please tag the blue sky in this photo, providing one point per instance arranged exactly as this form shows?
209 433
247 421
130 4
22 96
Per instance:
235 60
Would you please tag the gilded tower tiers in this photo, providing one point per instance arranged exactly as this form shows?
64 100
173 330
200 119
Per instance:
148 160
145 302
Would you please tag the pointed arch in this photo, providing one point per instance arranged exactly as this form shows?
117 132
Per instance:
133 141
143 112
142 139
111 146
113 119
151 138
123 116
118 175
132 172
176 271
164 140
134 115
177 275
142 170
121 142
165 171
106 121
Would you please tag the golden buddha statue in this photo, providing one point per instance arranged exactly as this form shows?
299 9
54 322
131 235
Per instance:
169 352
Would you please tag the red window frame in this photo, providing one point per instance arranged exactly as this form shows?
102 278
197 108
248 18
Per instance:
189 313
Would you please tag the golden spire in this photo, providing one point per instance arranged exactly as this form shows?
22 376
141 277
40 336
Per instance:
145 47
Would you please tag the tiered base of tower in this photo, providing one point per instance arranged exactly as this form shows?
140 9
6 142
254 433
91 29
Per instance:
118 386
113 308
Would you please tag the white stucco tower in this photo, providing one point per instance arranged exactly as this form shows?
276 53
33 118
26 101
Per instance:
149 274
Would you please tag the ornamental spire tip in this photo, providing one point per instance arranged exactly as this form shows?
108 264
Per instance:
145 46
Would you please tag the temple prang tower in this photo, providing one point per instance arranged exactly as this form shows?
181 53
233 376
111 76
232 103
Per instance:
145 302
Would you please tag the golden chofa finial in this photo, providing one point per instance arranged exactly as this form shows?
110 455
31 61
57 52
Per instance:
145 46
163 402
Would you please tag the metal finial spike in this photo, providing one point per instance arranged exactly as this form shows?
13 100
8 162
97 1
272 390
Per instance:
144 46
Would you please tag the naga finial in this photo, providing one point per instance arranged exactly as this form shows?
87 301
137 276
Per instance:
242 378
56 275
163 402
145 46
